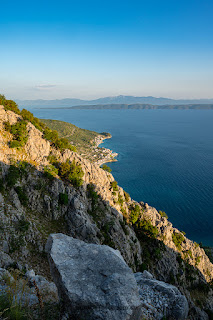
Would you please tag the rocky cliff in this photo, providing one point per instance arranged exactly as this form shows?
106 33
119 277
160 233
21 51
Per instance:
41 200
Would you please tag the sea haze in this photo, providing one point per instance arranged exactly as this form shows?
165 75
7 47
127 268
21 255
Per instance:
165 159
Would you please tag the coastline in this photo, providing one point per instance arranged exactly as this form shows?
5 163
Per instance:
105 155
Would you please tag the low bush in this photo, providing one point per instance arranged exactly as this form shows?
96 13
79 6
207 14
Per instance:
63 198
23 225
1 185
9 104
126 196
50 171
106 168
12 176
114 185
134 213
163 214
71 172
178 239
19 132
144 226
22 196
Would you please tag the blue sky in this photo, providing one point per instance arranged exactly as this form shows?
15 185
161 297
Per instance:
89 49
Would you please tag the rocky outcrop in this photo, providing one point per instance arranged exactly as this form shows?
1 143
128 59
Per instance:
25 226
160 299
93 281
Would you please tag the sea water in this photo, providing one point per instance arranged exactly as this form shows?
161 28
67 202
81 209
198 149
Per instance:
165 159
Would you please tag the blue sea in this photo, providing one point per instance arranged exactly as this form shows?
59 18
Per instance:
165 159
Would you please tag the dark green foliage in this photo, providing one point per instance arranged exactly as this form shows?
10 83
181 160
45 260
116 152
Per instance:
63 198
53 160
126 196
12 176
106 168
9 104
16 243
22 196
210 313
145 227
59 143
143 267
19 132
114 185
23 165
7 126
1 185
15 144
163 214
23 225
77 136
178 239
27 115
71 172
134 213
92 194
120 200
50 172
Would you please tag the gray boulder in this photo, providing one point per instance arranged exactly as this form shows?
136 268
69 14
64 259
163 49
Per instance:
93 281
160 299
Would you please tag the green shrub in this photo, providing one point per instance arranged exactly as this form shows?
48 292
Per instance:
63 198
15 144
53 160
134 213
19 132
7 126
23 225
197 261
71 172
92 194
163 214
126 196
59 143
22 196
50 171
114 185
178 239
120 199
145 226
106 168
9 104
12 176
1 185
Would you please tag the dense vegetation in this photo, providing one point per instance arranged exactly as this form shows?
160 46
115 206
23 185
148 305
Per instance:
106 168
19 129
69 171
19 132
77 136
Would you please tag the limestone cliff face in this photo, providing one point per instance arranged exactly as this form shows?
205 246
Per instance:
25 225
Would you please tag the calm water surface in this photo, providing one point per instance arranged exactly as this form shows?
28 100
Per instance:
165 159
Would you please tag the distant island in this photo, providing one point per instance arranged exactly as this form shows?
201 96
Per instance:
118 100
143 106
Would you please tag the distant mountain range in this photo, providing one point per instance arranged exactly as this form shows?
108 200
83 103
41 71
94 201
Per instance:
143 106
121 100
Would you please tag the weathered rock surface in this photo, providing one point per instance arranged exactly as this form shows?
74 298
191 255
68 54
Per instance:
93 281
160 299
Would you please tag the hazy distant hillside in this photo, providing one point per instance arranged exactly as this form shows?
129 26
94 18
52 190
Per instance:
108 100
145 106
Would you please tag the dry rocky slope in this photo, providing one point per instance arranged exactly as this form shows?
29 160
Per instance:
98 212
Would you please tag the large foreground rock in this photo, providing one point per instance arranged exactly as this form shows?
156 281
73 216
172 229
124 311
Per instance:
160 299
93 281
